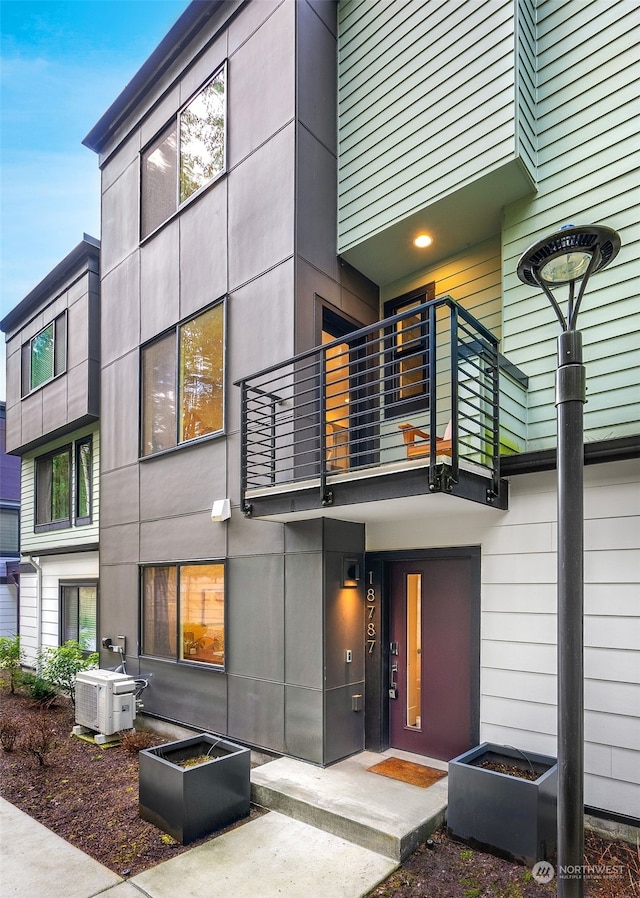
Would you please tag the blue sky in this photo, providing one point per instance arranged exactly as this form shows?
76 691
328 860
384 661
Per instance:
62 65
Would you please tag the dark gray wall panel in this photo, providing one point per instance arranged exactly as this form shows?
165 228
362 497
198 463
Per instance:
120 227
256 712
253 15
160 282
119 404
186 538
119 496
77 389
303 723
303 536
184 481
247 537
120 543
261 209
121 310
118 607
317 76
255 616
261 84
344 728
260 329
317 175
187 694
303 620
345 621
343 536
32 418
54 404
203 250
326 9
78 330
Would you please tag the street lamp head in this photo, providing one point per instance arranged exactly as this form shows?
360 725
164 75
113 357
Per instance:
571 254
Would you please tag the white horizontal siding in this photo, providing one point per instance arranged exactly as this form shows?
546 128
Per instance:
519 626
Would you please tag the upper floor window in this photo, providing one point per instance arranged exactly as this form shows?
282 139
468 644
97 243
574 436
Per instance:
183 383
185 156
45 355
63 481
407 358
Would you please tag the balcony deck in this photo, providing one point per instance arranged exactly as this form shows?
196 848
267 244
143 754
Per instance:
407 407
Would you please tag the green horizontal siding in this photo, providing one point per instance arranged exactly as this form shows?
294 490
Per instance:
427 103
588 162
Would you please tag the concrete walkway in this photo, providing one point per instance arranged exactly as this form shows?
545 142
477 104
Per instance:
273 856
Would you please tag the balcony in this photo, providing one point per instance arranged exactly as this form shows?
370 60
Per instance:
416 404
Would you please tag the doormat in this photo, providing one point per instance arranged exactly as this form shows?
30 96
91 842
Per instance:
407 772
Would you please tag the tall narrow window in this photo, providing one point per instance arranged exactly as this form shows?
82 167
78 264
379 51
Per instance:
183 612
45 355
53 489
407 353
79 614
183 398
185 156
83 480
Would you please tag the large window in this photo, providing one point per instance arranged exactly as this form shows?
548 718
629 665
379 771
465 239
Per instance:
183 612
79 614
45 355
188 154
183 383
63 481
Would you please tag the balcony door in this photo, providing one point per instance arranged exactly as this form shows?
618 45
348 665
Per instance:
434 658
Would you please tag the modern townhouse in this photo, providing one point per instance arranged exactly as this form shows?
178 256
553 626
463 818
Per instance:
53 402
328 484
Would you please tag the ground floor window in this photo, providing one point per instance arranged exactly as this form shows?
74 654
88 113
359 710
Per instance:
183 612
79 614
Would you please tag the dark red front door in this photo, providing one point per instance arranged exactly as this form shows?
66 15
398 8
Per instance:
434 657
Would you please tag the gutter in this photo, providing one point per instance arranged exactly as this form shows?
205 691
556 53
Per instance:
38 612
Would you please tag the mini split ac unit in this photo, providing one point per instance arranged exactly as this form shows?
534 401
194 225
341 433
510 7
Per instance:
105 701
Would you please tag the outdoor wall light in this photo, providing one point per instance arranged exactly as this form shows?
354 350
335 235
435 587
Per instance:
350 572
569 256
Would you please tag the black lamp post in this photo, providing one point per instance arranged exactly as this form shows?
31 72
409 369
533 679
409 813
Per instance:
570 256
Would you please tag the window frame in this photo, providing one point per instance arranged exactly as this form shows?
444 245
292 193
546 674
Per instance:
83 520
60 523
178 444
59 355
88 582
9 522
174 123
177 657
395 405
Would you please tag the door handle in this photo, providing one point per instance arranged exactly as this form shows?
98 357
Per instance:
393 685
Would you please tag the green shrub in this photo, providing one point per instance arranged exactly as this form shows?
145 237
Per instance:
11 659
59 666
40 690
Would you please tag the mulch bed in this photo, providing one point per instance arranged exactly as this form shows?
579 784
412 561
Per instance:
86 794
89 796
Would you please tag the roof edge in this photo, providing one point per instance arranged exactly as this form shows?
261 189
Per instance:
169 48
88 247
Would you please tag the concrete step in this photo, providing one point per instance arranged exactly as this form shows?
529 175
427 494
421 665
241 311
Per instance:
384 815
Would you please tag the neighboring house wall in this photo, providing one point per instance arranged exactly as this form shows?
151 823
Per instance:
518 627
9 534
587 104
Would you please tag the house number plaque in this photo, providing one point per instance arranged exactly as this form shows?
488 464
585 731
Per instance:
372 616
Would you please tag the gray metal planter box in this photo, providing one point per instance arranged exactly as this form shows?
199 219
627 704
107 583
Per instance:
190 802
514 816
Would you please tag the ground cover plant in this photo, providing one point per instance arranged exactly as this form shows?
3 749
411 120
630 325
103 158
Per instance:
89 796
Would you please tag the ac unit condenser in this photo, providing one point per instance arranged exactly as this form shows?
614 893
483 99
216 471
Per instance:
105 701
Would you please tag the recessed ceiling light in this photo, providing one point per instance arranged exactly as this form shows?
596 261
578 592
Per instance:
423 240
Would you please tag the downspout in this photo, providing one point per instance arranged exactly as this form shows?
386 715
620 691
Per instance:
38 611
